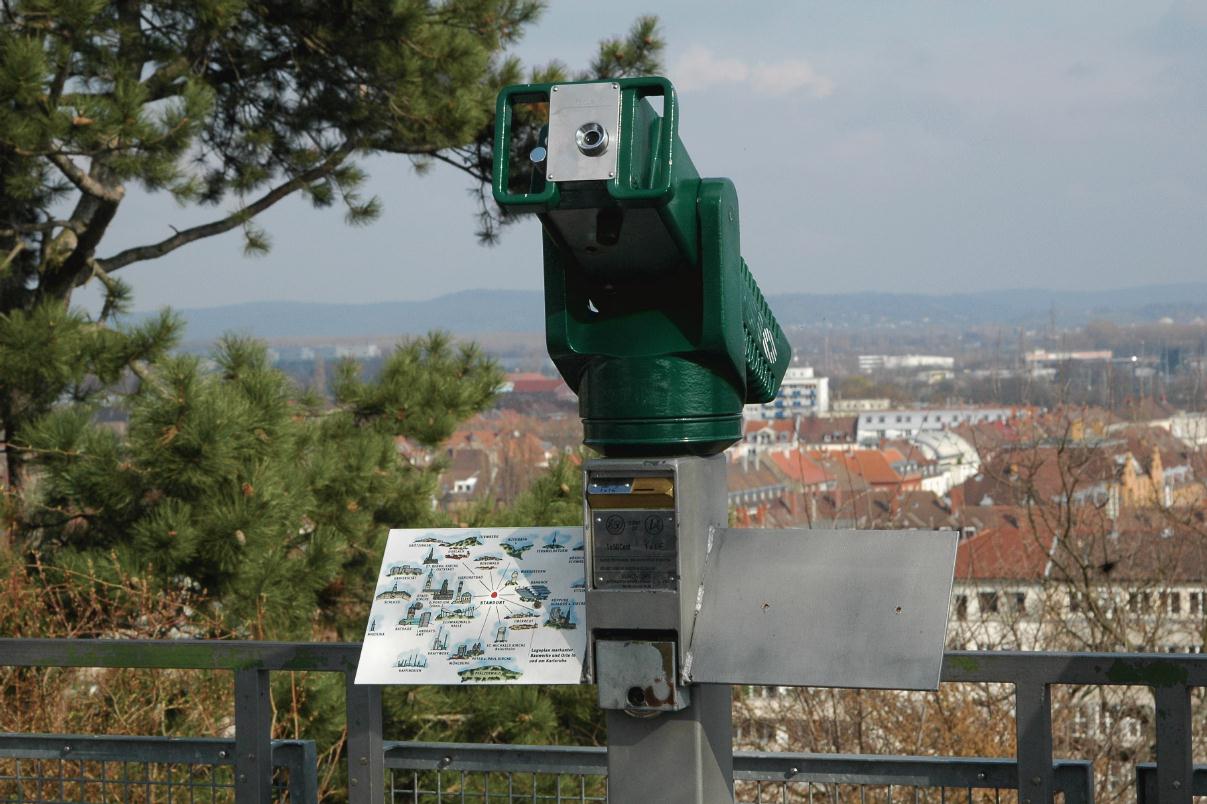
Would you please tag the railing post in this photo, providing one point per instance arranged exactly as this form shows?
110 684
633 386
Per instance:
1033 724
253 737
1174 759
366 759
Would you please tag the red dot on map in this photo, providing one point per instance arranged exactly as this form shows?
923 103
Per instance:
494 594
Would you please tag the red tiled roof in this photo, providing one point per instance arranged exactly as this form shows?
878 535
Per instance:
1003 553
873 466
798 466
777 425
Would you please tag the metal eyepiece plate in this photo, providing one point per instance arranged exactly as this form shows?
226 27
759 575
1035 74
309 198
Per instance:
584 125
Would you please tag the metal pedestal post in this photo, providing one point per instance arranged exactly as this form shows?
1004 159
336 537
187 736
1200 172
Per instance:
647 552
682 757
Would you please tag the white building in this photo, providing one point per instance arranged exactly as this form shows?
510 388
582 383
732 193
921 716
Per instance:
801 394
1190 427
852 407
906 423
956 458
892 362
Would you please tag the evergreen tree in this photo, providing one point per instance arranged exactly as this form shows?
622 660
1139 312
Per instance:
229 482
237 104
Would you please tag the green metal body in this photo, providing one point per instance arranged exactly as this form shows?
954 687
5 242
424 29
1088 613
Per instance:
652 316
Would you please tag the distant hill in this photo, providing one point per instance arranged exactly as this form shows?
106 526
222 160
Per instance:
470 311
481 311
1181 302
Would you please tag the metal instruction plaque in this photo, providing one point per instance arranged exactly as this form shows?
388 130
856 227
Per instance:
478 606
824 608
634 549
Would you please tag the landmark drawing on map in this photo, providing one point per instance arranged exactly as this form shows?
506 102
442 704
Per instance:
394 593
415 616
441 640
405 570
562 617
556 541
468 651
456 553
411 659
501 634
372 624
516 550
468 541
534 594
487 673
443 594
513 579
431 557
464 613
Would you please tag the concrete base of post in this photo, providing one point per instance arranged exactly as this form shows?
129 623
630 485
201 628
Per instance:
680 758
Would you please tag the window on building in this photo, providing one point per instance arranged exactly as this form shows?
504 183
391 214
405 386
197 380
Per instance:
1138 602
1020 602
987 601
1171 602
961 607
1076 601
1195 602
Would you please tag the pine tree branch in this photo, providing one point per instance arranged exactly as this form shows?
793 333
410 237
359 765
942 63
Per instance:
43 226
84 182
234 220
12 255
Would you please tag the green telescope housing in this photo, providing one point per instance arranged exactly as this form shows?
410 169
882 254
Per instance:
651 315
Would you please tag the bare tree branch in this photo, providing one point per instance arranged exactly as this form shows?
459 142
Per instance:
236 219
84 182
12 255
43 226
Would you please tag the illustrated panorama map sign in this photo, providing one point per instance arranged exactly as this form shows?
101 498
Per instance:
469 605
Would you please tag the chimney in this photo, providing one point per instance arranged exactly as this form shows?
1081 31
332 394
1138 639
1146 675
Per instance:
955 496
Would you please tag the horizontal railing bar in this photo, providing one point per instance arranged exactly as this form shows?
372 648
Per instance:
1146 774
1101 669
183 654
120 748
869 769
481 757
1145 669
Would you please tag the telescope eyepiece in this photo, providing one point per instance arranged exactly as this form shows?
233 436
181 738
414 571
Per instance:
591 139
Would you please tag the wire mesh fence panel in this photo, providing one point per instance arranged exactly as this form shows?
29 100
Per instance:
65 781
499 787
785 792
503 787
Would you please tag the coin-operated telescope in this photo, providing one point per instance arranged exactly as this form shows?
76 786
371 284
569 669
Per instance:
652 316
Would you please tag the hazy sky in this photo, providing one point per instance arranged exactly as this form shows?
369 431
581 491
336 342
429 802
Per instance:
901 146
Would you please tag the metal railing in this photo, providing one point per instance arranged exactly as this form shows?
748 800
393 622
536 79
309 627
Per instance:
1033 772
90 767
434 773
